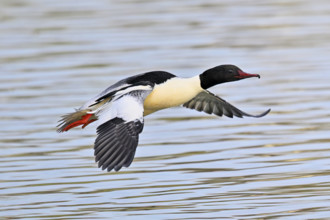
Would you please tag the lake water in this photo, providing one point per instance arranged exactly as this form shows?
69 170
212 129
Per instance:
55 55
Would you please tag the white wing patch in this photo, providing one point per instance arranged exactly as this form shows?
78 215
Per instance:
127 107
127 104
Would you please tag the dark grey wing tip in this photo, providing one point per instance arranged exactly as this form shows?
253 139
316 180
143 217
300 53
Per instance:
257 116
116 143
211 104
263 114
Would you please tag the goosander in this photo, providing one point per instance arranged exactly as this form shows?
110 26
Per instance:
121 107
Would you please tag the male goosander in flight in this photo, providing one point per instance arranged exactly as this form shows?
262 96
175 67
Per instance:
121 107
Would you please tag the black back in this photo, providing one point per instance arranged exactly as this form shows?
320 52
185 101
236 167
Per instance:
156 77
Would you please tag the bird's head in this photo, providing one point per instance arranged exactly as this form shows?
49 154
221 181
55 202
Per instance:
222 74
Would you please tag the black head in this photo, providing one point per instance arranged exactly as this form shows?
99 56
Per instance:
222 74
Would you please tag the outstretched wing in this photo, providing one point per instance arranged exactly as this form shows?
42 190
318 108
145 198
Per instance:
116 143
211 104
121 122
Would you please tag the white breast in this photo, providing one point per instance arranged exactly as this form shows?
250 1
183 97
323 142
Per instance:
173 92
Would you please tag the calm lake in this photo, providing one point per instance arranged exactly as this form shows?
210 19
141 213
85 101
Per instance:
55 55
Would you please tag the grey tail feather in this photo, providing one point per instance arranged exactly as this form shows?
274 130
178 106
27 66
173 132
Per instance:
69 118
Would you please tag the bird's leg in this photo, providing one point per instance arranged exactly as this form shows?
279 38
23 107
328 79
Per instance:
83 121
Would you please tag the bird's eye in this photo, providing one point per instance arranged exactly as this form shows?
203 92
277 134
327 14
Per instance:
231 71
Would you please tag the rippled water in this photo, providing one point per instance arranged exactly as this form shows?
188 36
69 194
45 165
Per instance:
55 55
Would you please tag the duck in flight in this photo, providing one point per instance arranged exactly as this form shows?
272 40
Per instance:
120 108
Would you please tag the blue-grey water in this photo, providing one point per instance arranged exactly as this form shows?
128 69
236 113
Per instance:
55 55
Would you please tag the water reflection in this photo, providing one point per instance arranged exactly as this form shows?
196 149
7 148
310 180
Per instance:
57 54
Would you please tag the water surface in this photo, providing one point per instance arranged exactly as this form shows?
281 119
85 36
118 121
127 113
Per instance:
55 55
